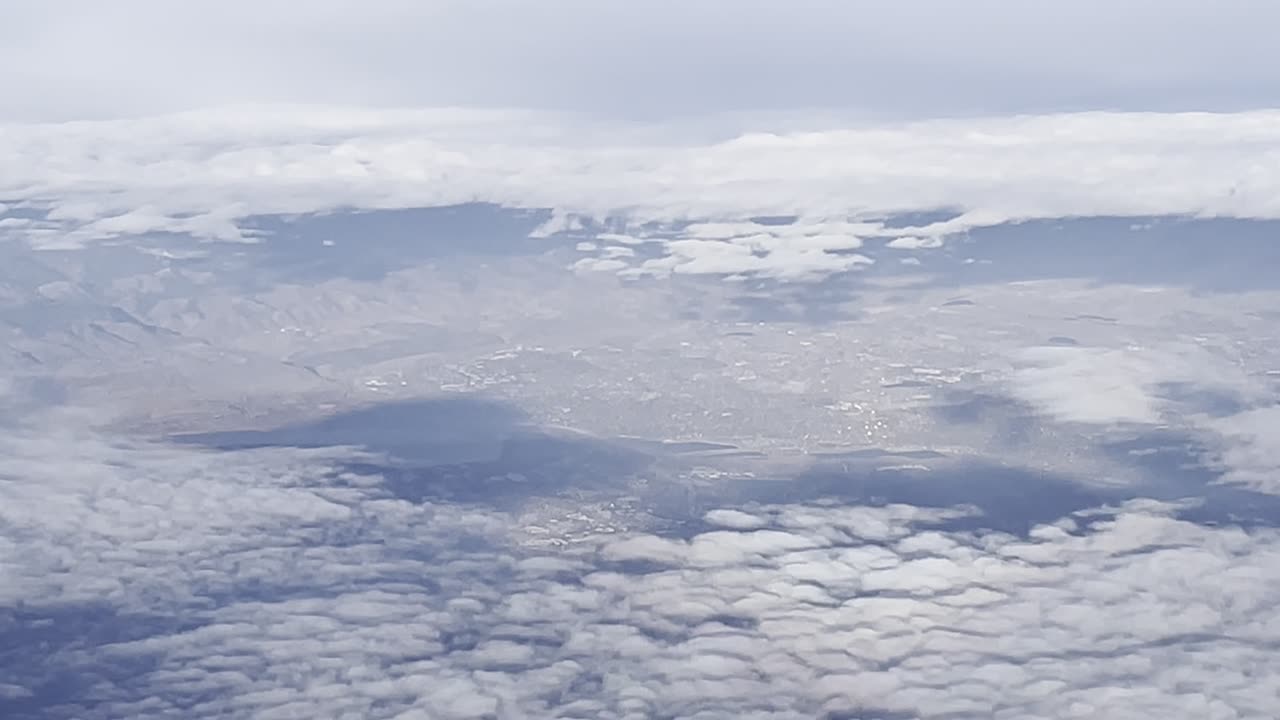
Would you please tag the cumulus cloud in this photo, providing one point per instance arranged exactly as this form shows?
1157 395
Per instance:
272 583
914 243
791 251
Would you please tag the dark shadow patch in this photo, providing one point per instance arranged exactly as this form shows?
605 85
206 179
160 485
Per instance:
774 220
1011 420
920 218
1215 402
440 430
742 623
528 466
457 448
633 568
1009 499
1171 465
1177 467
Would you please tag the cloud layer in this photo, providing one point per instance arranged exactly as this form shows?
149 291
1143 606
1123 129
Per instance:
146 581
204 173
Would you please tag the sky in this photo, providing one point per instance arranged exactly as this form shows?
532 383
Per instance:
78 59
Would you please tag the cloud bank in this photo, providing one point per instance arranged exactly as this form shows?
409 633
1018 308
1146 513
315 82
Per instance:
204 173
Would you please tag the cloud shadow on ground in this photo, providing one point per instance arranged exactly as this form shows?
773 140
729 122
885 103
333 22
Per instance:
457 448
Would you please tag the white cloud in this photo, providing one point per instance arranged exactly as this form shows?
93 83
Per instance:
598 265
277 587
997 625
783 259
202 173
735 519
1248 447
914 243
1122 384
1089 385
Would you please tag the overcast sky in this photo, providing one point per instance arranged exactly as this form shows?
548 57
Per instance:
657 59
